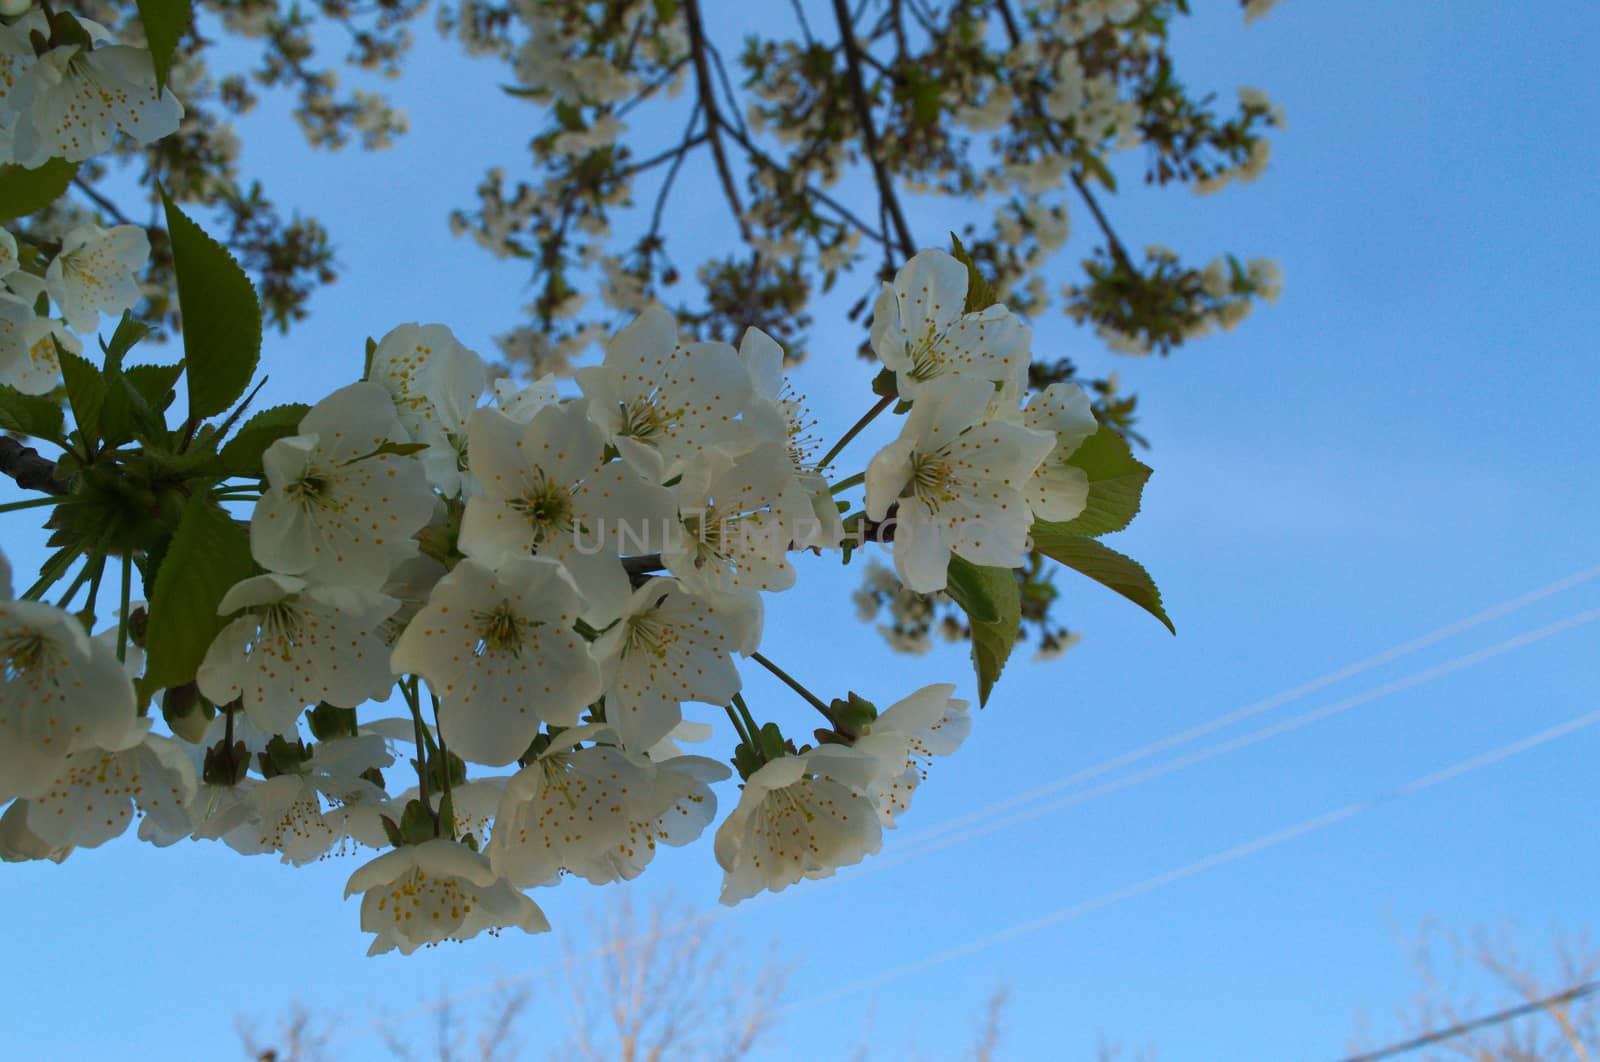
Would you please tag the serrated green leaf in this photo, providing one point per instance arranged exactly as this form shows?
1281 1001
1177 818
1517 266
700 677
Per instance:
1107 567
1116 487
164 22
967 586
994 621
129 332
155 383
24 191
980 293
221 317
208 554
241 455
126 413
36 415
86 394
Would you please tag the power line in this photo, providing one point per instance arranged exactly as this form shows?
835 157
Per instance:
917 840
1254 737
1588 988
1276 700
1217 859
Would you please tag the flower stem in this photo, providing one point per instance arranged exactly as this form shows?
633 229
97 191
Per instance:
30 503
855 429
789 680
54 569
846 483
99 563
89 568
751 727
127 599
447 802
408 689
739 727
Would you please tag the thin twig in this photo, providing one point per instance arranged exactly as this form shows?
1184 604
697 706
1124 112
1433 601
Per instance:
869 132
101 201
1118 251
714 122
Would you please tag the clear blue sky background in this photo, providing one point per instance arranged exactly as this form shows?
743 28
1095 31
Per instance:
1404 440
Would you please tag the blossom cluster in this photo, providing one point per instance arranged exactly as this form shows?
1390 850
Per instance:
520 588
67 102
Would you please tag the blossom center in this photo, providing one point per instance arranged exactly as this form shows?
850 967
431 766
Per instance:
501 631
548 507
23 651
933 479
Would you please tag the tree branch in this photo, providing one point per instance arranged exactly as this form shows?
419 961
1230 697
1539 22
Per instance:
1118 251
101 201
30 471
869 132
714 120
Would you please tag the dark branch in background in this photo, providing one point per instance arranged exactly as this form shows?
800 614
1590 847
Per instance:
714 120
1119 252
761 158
30 471
869 132
101 201
1486 1021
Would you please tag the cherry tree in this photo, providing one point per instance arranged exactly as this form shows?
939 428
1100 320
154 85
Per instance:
463 615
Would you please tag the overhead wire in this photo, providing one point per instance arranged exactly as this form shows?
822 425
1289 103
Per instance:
1221 858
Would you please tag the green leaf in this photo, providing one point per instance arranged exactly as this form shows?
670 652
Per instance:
36 415
1107 567
155 383
967 586
1116 486
221 317
242 454
209 553
86 394
980 293
164 22
128 333
24 191
993 605
126 412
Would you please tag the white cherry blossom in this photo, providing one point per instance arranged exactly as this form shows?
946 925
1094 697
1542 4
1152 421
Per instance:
334 510
904 739
1058 490
670 647
60 692
435 382
958 478
299 814
436 891
777 413
521 403
735 522
8 253
94 797
597 811
18 844
499 649
920 332
659 400
72 101
798 817
28 359
97 272
297 644
548 491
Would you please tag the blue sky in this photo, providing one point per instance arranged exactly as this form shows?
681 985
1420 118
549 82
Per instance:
1403 441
